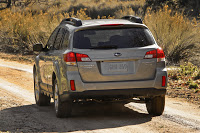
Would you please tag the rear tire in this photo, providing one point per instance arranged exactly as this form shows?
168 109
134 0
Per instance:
62 109
156 105
40 99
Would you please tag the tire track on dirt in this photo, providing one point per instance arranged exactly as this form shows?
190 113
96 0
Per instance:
18 91
81 123
181 117
90 117
17 68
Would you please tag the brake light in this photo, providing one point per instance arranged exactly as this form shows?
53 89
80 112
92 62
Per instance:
71 58
163 81
111 25
72 84
158 53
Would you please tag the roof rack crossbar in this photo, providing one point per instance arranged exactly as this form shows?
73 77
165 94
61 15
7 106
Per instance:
133 19
72 21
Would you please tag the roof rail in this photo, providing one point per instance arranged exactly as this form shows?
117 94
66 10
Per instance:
72 21
133 19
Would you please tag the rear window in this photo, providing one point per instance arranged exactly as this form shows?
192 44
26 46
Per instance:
120 38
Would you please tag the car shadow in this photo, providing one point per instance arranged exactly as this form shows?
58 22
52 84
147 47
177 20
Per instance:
85 116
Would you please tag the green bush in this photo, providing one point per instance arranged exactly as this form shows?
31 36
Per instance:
188 69
198 75
189 82
193 86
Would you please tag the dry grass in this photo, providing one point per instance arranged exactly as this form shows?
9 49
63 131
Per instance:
174 32
22 27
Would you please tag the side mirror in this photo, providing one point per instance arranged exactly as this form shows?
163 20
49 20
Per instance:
38 47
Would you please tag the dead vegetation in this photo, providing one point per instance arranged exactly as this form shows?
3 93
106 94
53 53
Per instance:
22 26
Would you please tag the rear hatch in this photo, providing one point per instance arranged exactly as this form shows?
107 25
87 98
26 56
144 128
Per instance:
116 54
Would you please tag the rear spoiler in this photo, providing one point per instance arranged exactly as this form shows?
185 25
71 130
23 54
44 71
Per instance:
134 19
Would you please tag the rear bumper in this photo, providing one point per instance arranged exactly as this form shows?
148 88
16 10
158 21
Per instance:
115 93
145 88
89 86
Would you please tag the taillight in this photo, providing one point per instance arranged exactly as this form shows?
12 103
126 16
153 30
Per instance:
158 53
72 84
163 81
71 58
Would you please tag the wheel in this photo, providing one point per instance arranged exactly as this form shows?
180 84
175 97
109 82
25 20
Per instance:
40 99
62 109
156 105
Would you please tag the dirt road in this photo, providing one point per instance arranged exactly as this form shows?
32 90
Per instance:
18 111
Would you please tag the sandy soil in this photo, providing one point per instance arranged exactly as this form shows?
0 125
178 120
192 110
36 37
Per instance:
18 111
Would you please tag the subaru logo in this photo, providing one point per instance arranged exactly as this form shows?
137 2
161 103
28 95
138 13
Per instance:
117 54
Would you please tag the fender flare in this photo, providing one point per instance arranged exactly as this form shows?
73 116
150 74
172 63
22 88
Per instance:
36 66
56 74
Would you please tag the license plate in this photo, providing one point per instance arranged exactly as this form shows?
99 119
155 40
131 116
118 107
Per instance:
118 67
110 68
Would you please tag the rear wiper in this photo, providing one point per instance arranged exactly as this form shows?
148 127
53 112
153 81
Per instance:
105 47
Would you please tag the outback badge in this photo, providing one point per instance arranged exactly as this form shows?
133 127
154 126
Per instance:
117 54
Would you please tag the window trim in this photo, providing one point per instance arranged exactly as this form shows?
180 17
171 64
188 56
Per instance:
46 47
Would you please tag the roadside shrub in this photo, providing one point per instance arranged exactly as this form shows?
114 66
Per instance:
22 29
189 81
187 72
197 91
191 7
175 77
188 69
193 86
174 32
197 76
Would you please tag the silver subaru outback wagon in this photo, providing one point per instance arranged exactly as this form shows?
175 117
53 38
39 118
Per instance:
101 59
